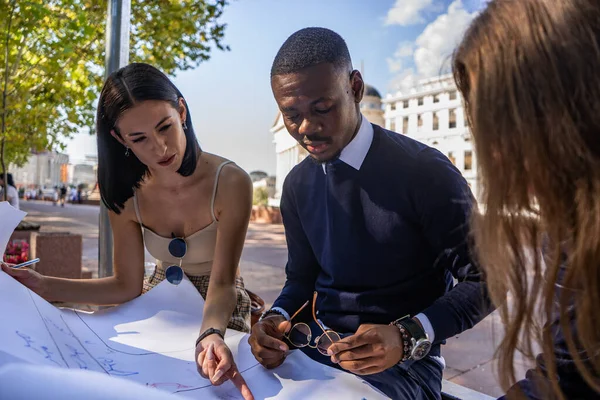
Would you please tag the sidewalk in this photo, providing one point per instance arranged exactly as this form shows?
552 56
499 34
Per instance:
469 356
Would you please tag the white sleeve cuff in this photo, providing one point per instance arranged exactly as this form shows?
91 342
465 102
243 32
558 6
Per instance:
426 326
287 316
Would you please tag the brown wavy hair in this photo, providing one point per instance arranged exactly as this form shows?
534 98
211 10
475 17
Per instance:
529 73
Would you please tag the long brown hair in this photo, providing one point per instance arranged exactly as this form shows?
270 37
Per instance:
529 72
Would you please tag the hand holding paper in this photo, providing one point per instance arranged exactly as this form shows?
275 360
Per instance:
10 218
28 277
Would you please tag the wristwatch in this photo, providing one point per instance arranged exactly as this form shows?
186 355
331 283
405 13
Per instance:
208 332
416 342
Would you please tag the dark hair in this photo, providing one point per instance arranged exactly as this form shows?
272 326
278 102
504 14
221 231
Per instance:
118 174
308 47
9 179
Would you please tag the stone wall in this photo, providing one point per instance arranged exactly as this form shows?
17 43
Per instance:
266 214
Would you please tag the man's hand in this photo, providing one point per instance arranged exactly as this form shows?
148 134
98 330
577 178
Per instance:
372 349
215 362
266 341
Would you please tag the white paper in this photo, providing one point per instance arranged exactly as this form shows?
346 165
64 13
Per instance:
9 220
149 341
27 381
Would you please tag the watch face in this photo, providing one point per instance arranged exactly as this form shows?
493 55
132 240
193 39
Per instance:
421 349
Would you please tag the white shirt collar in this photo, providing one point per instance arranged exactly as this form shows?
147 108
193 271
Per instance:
355 152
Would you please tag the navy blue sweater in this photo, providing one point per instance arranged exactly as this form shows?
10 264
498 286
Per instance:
384 241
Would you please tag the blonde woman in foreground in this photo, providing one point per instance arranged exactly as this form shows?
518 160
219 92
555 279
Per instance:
529 73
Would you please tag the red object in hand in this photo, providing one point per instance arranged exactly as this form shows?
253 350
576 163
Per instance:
17 252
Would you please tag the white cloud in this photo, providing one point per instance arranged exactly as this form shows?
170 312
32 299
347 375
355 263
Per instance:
435 45
405 49
407 12
405 80
439 39
395 63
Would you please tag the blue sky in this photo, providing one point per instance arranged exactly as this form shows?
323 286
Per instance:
398 41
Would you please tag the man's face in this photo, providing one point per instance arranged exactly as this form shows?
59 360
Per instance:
320 107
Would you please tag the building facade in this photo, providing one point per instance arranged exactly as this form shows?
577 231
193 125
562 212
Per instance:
84 174
432 112
42 170
370 106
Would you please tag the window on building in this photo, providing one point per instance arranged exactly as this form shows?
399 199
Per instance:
421 101
405 125
453 95
405 104
436 122
420 122
393 106
452 121
451 157
436 98
468 160
393 125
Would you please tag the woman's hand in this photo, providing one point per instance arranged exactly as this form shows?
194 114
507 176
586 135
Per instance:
28 277
215 362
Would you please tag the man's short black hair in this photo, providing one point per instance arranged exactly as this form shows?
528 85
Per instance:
308 47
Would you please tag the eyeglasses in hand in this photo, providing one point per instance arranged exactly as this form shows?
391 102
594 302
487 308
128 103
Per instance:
301 335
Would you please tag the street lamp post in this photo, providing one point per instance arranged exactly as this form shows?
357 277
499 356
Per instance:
117 56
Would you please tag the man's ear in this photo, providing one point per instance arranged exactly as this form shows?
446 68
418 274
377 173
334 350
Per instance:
358 85
119 138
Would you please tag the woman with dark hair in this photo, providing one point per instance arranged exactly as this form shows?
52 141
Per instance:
12 194
528 72
189 208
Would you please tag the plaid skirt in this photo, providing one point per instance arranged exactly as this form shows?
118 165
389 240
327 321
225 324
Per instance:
240 319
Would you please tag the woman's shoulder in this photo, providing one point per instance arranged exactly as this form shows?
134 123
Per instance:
231 180
234 179
228 171
128 211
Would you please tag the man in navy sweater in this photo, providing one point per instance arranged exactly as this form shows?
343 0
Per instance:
377 228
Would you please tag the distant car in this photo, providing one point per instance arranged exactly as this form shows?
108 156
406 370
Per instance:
49 194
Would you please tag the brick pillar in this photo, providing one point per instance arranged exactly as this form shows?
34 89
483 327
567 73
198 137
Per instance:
59 253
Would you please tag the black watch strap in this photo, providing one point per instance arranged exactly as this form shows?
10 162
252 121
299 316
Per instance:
413 328
208 332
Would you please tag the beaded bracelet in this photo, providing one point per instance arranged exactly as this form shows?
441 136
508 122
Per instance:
406 342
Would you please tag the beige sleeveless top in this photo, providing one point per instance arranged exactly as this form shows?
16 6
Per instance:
200 245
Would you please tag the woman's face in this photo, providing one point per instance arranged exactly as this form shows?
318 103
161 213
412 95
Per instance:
153 131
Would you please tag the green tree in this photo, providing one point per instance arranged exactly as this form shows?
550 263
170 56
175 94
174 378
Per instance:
52 55
260 196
